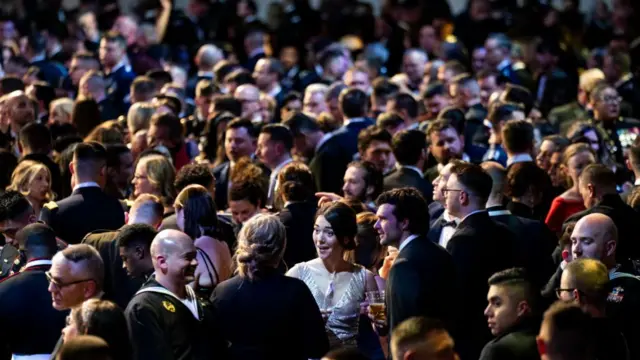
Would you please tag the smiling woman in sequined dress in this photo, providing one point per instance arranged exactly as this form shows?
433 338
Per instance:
337 285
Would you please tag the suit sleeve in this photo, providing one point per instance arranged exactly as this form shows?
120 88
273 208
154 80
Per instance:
405 295
146 334
315 338
493 351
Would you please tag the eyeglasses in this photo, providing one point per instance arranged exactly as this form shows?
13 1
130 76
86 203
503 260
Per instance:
612 99
559 291
445 191
60 285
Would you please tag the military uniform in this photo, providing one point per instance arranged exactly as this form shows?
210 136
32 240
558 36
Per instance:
162 326
623 307
11 261
619 136
86 210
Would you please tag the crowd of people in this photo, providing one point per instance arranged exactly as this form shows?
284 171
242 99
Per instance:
328 184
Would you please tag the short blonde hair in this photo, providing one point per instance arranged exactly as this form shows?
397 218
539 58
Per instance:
139 116
590 78
161 174
25 173
62 106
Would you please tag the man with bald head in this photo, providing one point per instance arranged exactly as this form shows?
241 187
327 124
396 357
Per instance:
16 111
595 236
206 58
413 64
166 319
249 97
536 241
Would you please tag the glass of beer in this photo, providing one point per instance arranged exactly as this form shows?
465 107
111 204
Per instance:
376 304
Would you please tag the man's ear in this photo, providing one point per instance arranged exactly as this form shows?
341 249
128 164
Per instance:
523 308
71 168
370 190
592 190
628 164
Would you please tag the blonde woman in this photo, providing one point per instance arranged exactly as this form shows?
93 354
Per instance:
139 117
33 180
155 175
60 111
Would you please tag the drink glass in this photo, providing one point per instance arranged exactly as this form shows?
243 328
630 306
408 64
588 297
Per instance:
376 304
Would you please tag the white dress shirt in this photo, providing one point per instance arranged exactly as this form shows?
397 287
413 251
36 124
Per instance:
518 158
447 231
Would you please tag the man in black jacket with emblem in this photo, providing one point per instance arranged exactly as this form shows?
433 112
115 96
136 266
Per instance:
88 208
26 303
166 319
512 317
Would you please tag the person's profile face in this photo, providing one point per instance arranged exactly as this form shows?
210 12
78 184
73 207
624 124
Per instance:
587 242
141 182
40 187
452 196
266 150
501 311
387 225
440 183
125 170
182 263
547 149
354 187
238 143
130 261
566 291
68 288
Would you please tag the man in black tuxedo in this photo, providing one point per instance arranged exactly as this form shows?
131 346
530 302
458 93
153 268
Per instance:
512 315
36 145
554 86
26 303
116 66
598 189
119 287
410 151
441 224
423 272
240 141
479 247
465 92
534 239
333 155
499 57
88 208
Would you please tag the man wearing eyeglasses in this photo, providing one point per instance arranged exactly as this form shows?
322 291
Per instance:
595 236
76 275
585 282
26 304
620 132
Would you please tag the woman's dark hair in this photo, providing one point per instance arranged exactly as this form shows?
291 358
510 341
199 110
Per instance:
9 163
85 116
343 223
106 320
295 182
200 217
525 176
368 252
248 182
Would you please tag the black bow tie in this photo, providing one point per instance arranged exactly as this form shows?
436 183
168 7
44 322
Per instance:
451 223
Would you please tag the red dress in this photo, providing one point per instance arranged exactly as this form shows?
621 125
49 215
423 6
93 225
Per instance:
561 209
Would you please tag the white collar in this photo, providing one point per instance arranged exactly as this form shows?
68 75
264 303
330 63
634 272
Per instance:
122 63
280 166
407 241
38 57
190 302
414 169
86 185
448 216
518 158
637 182
56 49
346 122
275 91
256 51
37 263
499 212
207 74
504 63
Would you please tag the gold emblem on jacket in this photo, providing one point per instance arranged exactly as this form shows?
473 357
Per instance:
169 306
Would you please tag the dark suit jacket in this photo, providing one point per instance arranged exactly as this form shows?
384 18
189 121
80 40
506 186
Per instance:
298 218
436 209
119 287
87 209
626 220
517 73
479 247
474 130
535 243
51 72
221 173
558 90
517 343
34 326
405 177
330 162
419 281
119 83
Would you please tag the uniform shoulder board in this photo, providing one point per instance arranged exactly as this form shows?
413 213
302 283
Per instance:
51 205
519 65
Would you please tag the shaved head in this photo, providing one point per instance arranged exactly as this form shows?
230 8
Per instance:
170 242
595 237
